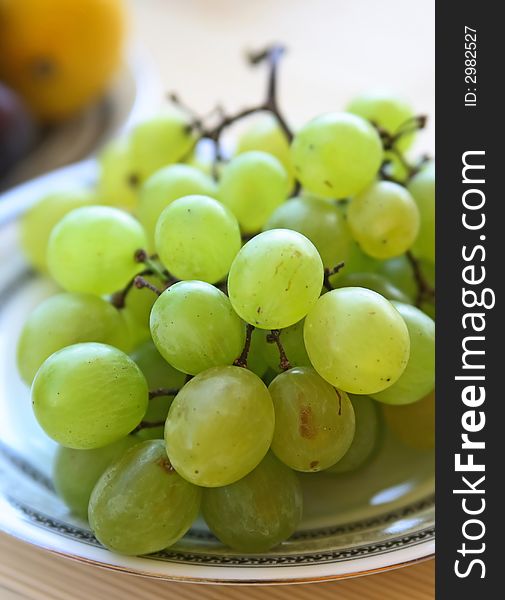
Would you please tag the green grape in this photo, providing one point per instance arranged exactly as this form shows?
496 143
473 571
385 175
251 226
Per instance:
89 395
194 327
293 344
357 340
418 378
165 186
266 135
161 140
366 435
75 472
319 221
220 426
92 249
372 281
197 238
63 320
385 110
314 422
140 504
395 167
151 433
357 262
136 333
413 424
117 181
384 220
258 512
422 188
158 374
275 279
256 361
37 223
336 155
252 186
399 272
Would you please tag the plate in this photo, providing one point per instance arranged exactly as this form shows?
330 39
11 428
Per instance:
378 518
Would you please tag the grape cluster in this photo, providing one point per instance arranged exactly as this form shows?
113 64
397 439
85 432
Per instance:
224 326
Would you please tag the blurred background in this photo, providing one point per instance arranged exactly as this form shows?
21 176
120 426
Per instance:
72 71
337 48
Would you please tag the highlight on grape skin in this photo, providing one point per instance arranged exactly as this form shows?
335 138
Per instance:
234 328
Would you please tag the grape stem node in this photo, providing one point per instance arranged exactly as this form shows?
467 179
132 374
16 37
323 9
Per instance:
241 361
163 392
274 338
118 299
270 55
139 282
329 272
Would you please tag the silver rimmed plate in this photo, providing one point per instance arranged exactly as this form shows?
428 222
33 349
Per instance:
378 518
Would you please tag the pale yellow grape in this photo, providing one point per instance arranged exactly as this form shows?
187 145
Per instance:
318 220
37 223
63 320
197 238
117 181
357 340
266 135
194 327
386 110
160 140
422 188
384 220
372 281
336 155
314 422
219 426
165 186
419 376
275 279
92 250
252 186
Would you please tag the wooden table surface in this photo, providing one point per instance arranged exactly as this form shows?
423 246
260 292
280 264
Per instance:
28 573
336 48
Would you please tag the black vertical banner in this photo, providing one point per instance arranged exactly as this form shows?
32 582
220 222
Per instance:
470 159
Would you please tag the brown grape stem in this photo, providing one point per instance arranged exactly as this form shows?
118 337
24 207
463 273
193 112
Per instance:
118 299
390 141
158 392
274 338
424 290
241 361
139 282
272 56
329 273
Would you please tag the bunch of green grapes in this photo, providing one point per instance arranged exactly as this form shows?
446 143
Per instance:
228 323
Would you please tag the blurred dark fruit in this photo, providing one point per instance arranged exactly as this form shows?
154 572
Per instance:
17 129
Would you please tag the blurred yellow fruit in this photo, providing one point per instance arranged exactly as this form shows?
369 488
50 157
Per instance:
413 424
60 54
